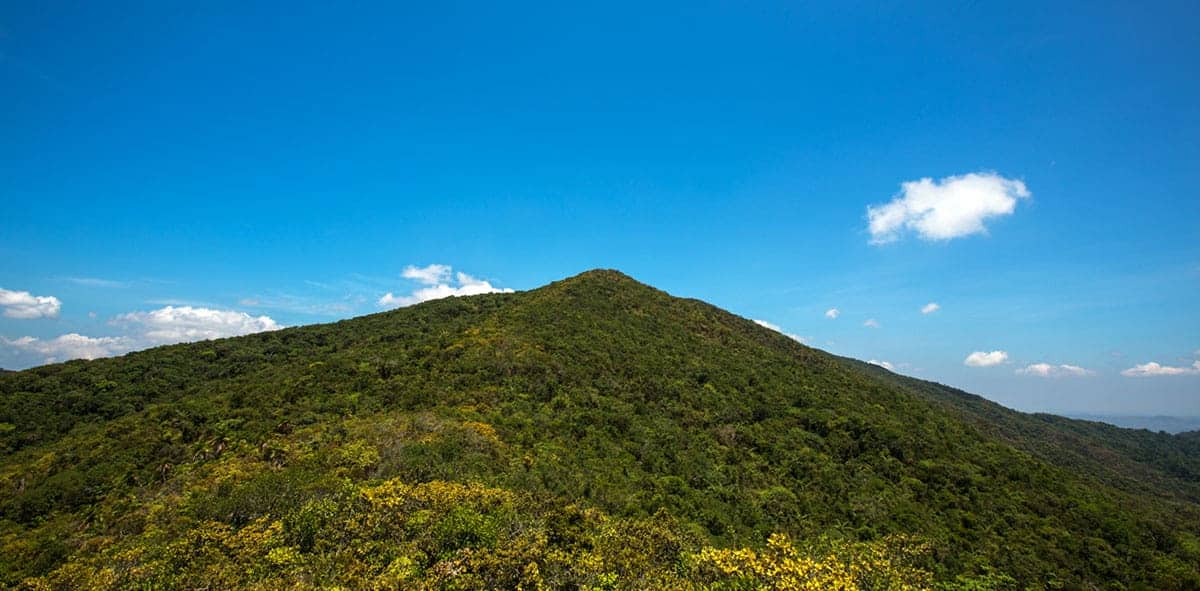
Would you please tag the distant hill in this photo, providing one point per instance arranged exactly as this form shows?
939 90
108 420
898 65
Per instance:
595 433
1168 424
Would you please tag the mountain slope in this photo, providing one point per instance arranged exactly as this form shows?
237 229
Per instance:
594 392
1135 460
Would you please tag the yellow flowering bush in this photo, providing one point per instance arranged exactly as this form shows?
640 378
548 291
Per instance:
281 515
781 566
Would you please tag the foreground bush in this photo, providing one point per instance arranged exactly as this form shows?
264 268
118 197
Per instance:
442 535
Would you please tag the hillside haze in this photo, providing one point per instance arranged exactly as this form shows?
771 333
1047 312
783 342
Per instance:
593 423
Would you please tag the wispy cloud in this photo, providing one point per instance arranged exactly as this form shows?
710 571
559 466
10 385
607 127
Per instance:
1047 370
440 283
24 305
96 282
163 326
1153 369
952 207
871 323
884 364
300 304
930 308
984 359
180 302
429 275
832 313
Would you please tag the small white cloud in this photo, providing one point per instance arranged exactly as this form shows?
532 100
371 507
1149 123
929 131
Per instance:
431 275
72 346
883 364
952 207
775 327
1046 370
871 323
24 305
1152 369
832 313
930 308
437 277
982 359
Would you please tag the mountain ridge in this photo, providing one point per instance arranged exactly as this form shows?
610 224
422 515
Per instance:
600 390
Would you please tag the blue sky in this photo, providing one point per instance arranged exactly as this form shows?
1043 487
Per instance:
170 173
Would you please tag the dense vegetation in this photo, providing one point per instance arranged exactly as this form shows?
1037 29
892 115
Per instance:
592 434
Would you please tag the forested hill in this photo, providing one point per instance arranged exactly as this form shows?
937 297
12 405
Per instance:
595 433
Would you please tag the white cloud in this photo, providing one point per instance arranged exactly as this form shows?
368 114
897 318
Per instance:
437 278
930 308
981 359
185 323
1153 369
145 329
952 207
775 327
871 323
883 364
431 275
832 313
22 304
1046 370
72 346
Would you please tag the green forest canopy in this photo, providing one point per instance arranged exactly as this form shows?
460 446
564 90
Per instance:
595 433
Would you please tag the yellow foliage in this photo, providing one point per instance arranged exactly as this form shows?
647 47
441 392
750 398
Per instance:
438 495
484 430
782 567
358 455
442 535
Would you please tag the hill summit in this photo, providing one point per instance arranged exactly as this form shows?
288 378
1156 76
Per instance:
594 433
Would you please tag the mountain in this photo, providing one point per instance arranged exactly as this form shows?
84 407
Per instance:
1169 424
595 433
